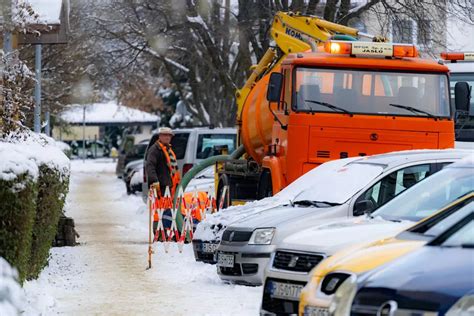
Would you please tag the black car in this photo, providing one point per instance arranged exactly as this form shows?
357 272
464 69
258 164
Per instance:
437 279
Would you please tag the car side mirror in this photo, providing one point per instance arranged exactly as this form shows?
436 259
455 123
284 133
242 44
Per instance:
363 207
462 97
274 87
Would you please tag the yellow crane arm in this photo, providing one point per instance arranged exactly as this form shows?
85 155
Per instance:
292 33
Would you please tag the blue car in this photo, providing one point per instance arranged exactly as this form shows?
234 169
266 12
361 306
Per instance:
437 279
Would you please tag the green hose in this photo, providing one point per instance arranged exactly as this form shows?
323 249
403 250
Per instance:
198 168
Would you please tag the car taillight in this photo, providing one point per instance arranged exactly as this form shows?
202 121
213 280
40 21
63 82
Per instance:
187 167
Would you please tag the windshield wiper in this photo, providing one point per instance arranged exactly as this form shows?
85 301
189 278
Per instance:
330 106
467 246
414 110
314 203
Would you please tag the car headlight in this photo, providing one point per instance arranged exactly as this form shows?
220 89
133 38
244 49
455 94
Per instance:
464 306
342 300
262 236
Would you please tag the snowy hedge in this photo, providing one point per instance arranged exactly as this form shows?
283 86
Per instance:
52 191
18 193
34 177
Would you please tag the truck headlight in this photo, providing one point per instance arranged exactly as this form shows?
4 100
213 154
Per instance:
342 300
262 236
464 306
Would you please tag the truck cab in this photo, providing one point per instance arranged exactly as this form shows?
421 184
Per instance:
354 99
461 68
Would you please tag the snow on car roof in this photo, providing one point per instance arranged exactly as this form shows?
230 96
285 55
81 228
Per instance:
398 157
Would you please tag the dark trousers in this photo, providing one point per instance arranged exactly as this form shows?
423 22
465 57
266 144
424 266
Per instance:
167 219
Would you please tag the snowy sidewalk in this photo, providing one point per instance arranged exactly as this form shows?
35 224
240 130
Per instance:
106 273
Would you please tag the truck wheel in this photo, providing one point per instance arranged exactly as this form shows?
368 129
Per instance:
265 188
223 181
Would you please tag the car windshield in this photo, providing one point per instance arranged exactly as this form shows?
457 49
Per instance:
208 144
464 237
371 92
445 219
337 185
430 195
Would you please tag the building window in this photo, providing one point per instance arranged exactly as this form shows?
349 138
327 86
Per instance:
402 31
424 32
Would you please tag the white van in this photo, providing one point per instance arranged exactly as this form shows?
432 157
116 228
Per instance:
192 145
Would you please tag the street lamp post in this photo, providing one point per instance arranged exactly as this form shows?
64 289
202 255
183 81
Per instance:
84 133
83 93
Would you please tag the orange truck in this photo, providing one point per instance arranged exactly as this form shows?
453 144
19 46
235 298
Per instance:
319 95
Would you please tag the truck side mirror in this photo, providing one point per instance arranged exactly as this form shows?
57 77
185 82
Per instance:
363 207
274 87
462 97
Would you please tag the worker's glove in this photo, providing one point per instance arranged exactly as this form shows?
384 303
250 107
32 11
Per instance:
156 187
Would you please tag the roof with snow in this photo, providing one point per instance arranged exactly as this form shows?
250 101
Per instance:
107 114
49 11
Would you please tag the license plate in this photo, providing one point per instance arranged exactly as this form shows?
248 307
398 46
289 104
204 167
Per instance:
226 261
209 248
286 291
316 311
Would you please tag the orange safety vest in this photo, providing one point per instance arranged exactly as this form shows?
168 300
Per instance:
174 172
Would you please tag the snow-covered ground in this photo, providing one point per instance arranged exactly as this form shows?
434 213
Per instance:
106 273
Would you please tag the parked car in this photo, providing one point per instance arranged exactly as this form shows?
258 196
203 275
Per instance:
434 280
357 188
130 170
326 278
93 149
129 152
209 232
192 145
311 246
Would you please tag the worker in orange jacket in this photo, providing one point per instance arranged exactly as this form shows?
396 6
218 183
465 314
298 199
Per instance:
162 170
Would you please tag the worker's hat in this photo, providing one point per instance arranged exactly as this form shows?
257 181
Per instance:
165 130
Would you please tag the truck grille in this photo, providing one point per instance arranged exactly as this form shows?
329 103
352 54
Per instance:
298 262
323 154
236 236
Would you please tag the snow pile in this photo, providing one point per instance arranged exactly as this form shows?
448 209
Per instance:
63 146
214 225
39 148
109 112
11 294
14 163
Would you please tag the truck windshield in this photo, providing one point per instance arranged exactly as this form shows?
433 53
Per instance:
371 92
